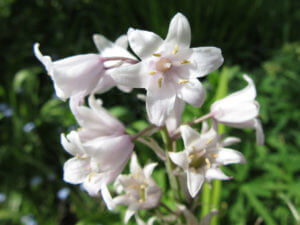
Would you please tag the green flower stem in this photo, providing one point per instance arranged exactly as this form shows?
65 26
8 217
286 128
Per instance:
217 184
205 203
169 165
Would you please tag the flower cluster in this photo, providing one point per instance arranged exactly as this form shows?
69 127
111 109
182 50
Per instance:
169 70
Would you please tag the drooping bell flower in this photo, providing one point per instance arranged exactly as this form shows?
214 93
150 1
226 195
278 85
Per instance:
73 75
140 190
169 69
240 110
106 147
202 156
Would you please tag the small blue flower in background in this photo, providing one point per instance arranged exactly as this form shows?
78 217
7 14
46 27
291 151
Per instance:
28 127
35 181
6 110
63 193
2 197
28 220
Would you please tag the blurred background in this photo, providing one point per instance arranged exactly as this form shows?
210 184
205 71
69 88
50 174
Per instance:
258 37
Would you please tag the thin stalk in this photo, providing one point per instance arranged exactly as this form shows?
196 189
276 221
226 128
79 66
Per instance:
142 132
217 184
125 59
206 194
169 165
193 122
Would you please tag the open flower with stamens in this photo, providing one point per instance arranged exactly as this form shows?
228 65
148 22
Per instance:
169 69
110 49
73 75
141 191
102 143
202 156
240 110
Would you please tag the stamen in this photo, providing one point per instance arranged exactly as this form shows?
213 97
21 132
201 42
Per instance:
214 155
185 61
175 49
183 82
152 72
160 82
157 54
78 156
207 163
209 141
90 176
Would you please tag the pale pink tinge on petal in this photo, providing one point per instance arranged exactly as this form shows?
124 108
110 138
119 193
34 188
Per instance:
192 92
76 170
179 31
143 43
229 156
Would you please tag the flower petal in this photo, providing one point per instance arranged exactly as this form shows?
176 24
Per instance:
109 152
101 42
129 213
215 173
174 119
72 143
76 170
231 114
247 94
77 73
180 159
260 137
159 103
195 181
192 92
230 141
96 118
179 31
229 156
107 198
134 165
104 84
122 41
135 76
148 169
204 60
143 43
189 135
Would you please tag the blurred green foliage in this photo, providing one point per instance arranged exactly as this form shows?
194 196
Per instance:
252 34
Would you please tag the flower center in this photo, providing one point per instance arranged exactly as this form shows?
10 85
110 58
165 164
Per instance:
163 65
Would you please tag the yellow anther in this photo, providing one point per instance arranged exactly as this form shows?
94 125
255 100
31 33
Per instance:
175 49
157 54
79 128
142 186
183 82
91 175
214 155
209 141
160 82
193 148
141 200
78 156
207 162
137 174
185 61
152 72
